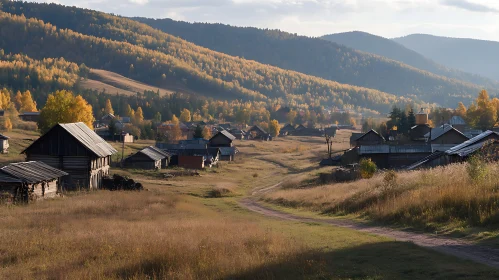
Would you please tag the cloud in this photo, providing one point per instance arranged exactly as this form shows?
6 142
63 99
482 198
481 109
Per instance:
469 6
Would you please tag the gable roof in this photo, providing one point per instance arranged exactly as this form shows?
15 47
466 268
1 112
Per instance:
457 120
369 132
288 127
87 137
152 153
439 131
257 128
3 137
226 134
30 172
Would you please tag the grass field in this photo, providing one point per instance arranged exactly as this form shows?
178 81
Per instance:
178 229
113 83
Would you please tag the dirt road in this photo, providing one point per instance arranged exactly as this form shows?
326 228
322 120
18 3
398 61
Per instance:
450 246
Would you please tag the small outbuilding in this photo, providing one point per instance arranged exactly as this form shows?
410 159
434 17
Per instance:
147 158
4 144
25 181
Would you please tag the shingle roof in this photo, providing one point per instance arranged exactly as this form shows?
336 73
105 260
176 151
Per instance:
31 172
89 139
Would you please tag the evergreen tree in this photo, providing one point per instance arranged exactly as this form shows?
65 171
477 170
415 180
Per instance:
411 118
198 132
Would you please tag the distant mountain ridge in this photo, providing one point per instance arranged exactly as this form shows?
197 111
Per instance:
320 58
370 43
471 55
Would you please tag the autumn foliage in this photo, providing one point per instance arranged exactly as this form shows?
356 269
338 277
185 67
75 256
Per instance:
64 107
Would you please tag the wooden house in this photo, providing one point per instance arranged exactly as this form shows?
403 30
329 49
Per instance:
24 181
4 144
258 133
75 149
287 130
191 162
354 137
444 137
147 158
222 139
370 138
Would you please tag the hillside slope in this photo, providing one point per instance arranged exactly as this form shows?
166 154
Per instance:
390 49
142 53
470 55
321 58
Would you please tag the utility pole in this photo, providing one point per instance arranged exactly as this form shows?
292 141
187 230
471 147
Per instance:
122 147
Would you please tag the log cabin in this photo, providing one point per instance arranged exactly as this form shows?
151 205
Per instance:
77 150
25 181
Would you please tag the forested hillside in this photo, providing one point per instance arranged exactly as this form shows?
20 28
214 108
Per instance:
470 55
321 58
140 52
390 49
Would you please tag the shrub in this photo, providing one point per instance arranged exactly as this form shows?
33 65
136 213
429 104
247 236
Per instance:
255 175
218 192
367 168
477 168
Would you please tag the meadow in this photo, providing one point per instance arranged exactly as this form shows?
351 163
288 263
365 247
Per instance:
192 227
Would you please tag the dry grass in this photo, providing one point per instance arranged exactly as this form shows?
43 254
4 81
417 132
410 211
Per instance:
430 199
114 83
133 236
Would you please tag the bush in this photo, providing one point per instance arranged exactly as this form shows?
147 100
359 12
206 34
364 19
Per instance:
477 168
255 175
219 192
367 168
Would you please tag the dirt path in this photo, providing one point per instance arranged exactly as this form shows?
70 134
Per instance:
450 246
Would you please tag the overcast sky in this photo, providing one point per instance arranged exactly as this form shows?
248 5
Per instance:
388 18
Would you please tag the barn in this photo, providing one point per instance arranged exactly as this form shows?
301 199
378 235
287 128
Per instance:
75 149
24 181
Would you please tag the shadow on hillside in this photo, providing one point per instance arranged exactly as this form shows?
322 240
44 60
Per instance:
386 260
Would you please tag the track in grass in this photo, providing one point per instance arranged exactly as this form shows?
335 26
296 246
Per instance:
450 246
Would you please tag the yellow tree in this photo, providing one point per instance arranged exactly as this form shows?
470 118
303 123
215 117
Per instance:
28 105
5 99
485 115
461 110
175 134
18 100
174 120
7 124
63 107
185 115
274 128
291 116
206 132
138 117
109 107
129 112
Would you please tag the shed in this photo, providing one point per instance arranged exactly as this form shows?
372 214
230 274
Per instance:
75 149
147 158
228 153
30 180
222 139
4 144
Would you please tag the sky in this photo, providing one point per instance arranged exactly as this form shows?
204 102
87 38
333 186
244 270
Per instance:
477 19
